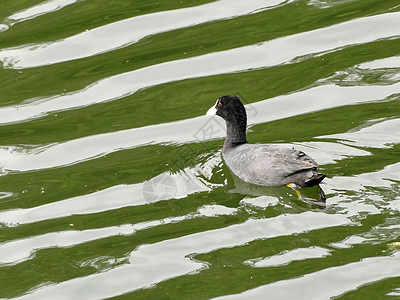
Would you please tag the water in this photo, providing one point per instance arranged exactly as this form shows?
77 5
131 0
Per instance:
112 183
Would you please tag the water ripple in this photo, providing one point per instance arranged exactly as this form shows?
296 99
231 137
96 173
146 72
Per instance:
287 257
183 184
328 283
151 264
20 250
263 55
122 33
35 11
383 134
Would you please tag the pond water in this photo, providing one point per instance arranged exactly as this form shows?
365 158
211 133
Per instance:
112 183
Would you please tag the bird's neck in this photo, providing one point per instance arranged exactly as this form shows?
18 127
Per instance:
235 135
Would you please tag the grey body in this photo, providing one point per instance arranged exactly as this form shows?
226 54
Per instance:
271 165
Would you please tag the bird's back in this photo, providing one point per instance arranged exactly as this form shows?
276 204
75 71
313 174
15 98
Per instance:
272 165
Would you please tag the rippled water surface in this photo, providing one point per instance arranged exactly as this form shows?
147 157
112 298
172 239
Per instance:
112 183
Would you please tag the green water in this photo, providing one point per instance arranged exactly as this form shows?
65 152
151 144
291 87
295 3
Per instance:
112 183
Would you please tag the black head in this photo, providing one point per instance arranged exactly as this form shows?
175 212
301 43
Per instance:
231 109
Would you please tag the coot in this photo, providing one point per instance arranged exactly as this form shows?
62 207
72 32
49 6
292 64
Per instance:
262 164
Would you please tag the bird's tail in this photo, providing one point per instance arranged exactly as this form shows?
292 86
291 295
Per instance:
316 179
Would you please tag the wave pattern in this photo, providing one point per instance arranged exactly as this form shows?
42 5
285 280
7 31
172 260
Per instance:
111 179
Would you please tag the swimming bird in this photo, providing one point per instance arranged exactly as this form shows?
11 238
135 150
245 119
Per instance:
262 164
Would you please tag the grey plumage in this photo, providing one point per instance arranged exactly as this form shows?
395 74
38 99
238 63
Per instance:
272 165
